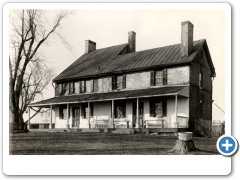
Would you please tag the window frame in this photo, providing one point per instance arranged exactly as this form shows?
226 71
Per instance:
122 104
163 76
153 110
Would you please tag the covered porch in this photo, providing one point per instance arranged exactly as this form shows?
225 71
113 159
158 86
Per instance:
164 108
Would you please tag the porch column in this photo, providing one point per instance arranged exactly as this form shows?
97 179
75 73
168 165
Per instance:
68 115
28 117
50 127
113 125
137 119
176 110
89 113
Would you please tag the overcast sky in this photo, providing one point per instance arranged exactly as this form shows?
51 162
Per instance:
154 28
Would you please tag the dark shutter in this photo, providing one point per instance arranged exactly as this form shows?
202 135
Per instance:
151 108
80 86
60 112
164 77
152 79
124 81
92 87
124 109
91 110
113 82
164 107
84 86
82 111
95 84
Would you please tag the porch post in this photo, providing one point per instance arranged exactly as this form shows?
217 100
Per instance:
176 110
113 125
28 117
50 127
89 113
137 123
68 115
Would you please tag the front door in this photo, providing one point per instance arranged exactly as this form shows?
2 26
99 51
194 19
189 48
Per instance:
140 114
76 117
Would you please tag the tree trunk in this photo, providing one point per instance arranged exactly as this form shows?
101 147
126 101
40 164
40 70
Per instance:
183 147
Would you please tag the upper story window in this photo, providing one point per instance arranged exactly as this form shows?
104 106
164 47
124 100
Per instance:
119 82
158 107
89 85
158 78
65 89
201 79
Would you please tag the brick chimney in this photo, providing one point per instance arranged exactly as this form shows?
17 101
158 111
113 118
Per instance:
131 41
186 38
89 46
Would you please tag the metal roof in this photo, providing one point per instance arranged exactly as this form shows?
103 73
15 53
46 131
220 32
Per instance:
78 98
106 61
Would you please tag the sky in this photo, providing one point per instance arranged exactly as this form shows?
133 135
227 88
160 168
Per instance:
154 28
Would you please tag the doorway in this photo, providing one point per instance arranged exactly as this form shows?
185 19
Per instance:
76 117
141 113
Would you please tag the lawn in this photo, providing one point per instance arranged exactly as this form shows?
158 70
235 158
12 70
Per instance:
67 143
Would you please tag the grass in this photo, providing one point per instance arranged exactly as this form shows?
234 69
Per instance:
67 143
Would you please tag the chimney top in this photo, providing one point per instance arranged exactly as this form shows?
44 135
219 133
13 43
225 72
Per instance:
89 46
131 41
186 38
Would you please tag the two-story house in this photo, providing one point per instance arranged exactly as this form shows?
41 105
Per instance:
161 89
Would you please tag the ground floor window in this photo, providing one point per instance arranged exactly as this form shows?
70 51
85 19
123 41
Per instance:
119 109
63 112
85 111
158 107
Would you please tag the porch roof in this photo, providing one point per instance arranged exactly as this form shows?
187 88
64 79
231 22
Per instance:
141 93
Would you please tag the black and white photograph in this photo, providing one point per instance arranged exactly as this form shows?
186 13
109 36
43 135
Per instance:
116 81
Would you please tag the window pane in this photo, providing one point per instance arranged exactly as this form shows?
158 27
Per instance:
159 78
76 87
87 112
88 86
120 112
158 109
64 113
65 88
119 82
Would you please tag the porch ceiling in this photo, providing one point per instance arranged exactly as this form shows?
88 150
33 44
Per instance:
78 98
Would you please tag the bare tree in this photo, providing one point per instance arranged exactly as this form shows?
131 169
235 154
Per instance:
29 74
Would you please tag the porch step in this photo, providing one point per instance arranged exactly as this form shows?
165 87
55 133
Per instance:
123 131
50 130
89 130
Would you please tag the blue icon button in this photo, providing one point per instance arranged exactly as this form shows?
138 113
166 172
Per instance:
227 145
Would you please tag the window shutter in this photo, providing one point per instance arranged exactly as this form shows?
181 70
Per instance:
164 77
80 86
152 78
95 83
124 81
82 111
91 110
92 87
151 108
60 112
113 82
165 108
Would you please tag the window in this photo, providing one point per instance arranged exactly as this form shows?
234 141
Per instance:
119 109
71 88
87 86
63 112
201 79
65 89
58 89
158 78
119 82
158 107
85 111
76 87
95 85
